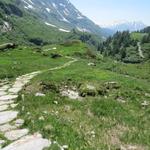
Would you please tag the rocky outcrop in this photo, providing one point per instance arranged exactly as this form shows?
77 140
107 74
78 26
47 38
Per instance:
7 46
5 27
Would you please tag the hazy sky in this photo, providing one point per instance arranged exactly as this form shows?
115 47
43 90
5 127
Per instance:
108 11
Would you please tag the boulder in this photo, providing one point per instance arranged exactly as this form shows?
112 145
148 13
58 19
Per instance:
7 46
55 55
91 64
112 85
87 90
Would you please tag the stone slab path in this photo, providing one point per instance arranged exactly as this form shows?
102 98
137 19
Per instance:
9 122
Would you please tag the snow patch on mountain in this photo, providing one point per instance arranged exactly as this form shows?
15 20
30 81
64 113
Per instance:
49 24
54 5
62 5
60 29
125 25
63 30
83 29
28 5
48 10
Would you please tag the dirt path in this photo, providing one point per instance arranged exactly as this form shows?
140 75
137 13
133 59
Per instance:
140 50
9 122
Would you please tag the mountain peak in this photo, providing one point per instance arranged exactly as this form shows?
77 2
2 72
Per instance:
123 25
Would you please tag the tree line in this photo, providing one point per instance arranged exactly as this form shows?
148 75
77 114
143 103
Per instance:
116 45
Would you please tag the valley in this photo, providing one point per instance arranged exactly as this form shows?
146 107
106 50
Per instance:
112 106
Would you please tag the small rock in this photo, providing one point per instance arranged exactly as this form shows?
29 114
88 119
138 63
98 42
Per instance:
145 104
56 113
105 97
40 94
22 96
45 112
28 113
93 134
23 108
91 64
54 142
65 147
121 100
55 102
70 93
19 122
48 128
41 118
147 94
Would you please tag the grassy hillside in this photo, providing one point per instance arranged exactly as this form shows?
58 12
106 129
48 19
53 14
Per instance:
137 36
107 115
100 101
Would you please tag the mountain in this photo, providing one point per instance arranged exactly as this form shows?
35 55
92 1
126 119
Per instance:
49 20
125 25
60 14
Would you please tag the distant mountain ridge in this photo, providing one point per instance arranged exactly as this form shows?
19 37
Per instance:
126 25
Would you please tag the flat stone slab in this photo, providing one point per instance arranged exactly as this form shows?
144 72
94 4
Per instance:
30 142
6 102
4 107
15 90
8 97
7 127
7 116
16 134
2 93
5 87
